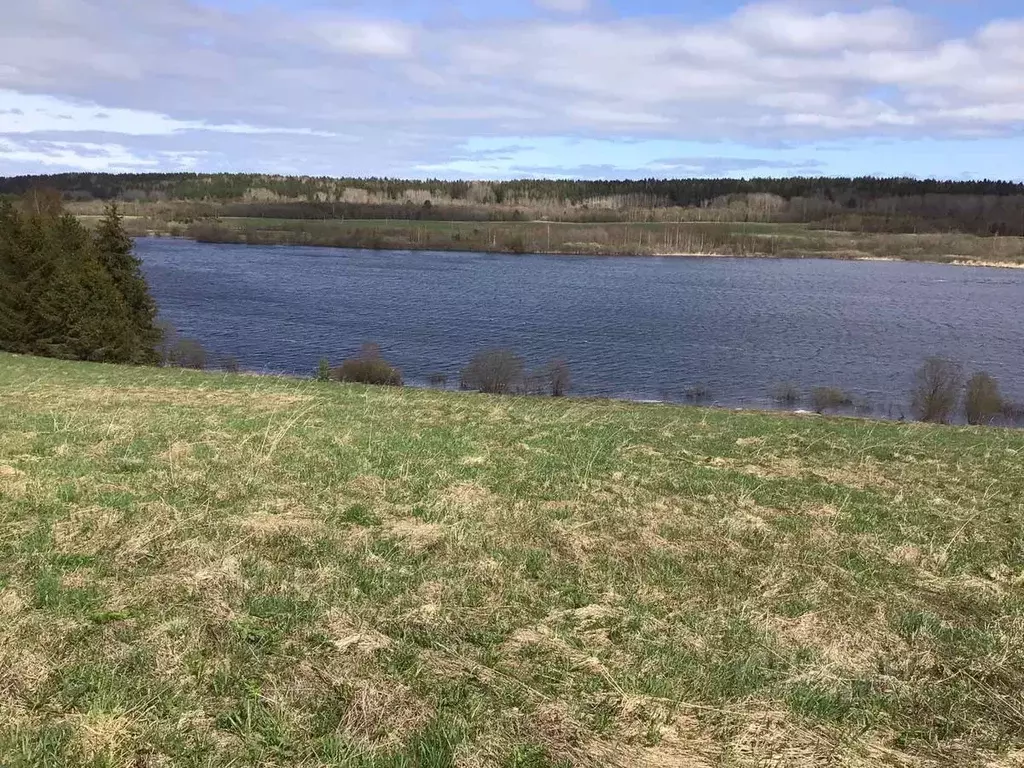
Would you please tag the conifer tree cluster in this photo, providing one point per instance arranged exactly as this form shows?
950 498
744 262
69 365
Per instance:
71 293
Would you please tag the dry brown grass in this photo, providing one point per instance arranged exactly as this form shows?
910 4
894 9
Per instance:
202 570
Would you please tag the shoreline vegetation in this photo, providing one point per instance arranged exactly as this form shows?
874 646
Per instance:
978 223
689 240
207 570
941 392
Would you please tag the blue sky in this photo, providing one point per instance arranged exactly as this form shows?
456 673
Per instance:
515 88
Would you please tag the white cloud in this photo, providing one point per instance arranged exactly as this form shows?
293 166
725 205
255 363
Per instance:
774 65
34 113
785 27
273 89
88 156
367 38
602 114
564 6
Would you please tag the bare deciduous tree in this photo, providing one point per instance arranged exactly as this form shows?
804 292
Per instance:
165 343
785 394
187 353
937 387
1013 413
495 371
824 398
43 201
559 378
982 401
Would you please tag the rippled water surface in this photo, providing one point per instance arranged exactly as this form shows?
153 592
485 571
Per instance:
644 328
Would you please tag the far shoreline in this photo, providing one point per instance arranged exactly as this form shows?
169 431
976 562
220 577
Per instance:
941 259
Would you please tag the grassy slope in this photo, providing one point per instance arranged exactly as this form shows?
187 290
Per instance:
213 570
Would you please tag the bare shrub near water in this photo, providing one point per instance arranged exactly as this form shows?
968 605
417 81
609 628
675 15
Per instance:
938 384
437 380
786 393
559 378
534 383
698 394
187 353
173 351
824 398
211 232
368 367
982 401
1013 413
168 338
494 371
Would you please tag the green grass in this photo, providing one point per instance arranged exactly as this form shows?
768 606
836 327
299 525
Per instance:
226 570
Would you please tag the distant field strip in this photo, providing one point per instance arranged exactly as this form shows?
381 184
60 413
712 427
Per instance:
615 238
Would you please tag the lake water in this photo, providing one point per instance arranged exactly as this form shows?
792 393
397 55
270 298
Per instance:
641 328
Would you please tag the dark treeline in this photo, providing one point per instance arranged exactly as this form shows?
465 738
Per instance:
69 292
226 187
986 207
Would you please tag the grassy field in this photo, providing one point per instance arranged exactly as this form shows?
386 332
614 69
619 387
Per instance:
226 570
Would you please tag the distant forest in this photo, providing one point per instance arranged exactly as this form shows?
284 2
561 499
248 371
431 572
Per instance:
861 204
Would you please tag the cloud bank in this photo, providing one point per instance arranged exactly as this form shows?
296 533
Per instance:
172 83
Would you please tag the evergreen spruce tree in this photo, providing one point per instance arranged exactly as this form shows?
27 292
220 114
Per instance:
116 253
58 297
36 254
13 316
77 310
43 329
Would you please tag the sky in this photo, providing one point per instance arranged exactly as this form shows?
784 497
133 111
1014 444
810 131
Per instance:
498 89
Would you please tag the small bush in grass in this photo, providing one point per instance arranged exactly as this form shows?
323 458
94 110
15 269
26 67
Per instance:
494 371
938 384
824 398
368 367
437 380
230 364
982 401
187 353
785 394
323 370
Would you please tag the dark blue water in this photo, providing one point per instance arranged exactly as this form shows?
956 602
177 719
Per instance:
642 328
